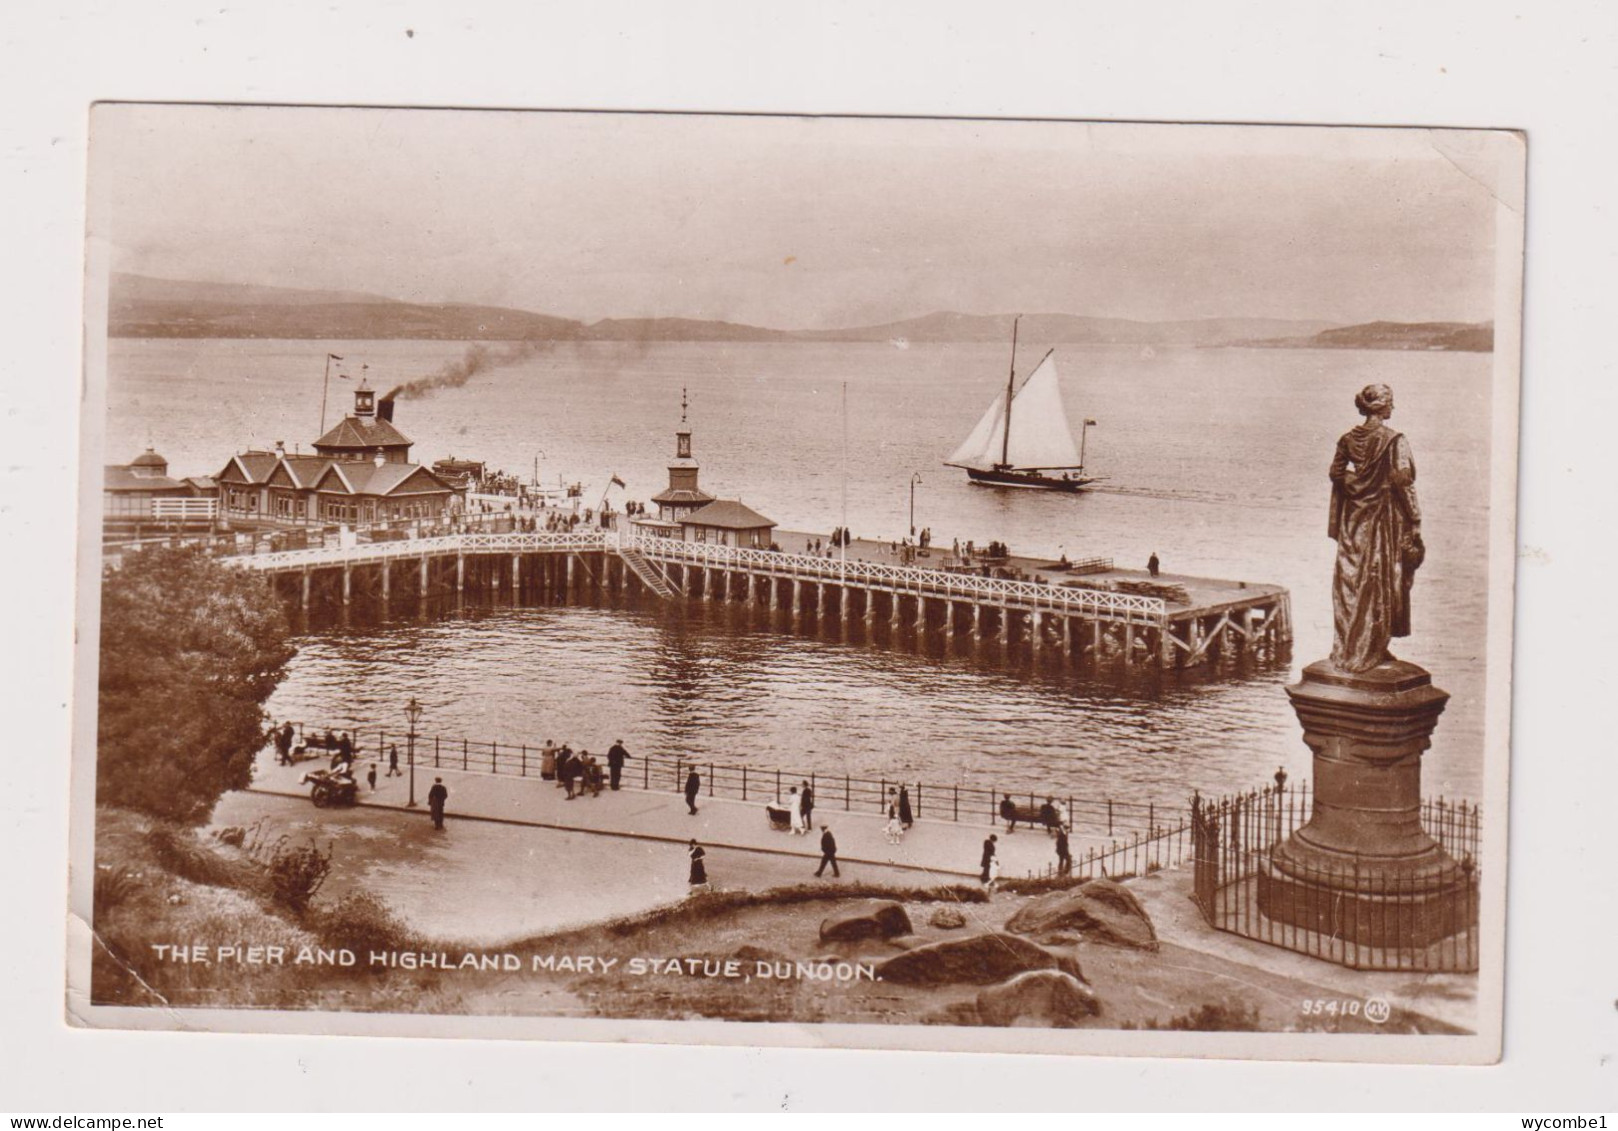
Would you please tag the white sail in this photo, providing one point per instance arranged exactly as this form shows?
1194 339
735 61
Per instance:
1040 434
981 447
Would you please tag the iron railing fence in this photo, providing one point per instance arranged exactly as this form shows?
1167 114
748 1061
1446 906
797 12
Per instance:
1361 912
1140 853
1151 822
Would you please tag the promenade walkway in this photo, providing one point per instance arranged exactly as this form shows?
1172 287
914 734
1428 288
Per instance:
948 849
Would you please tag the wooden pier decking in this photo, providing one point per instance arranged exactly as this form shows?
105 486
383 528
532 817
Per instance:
1039 607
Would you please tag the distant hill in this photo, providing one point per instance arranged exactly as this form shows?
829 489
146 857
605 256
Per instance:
145 307
1471 337
680 330
131 289
1068 328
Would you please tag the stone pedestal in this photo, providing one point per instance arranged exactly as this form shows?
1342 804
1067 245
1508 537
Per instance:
1362 869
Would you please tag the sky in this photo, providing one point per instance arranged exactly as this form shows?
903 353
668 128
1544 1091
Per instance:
805 222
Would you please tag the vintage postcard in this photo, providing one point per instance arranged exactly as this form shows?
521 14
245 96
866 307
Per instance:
982 585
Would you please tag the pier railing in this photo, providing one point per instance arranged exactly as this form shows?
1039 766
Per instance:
412 548
939 583
1147 823
903 578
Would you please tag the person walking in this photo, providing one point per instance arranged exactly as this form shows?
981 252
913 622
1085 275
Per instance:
906 817
1152 564
370 776
988 857
1064 856
795 807
699 870
693 786
547 762
891 830
616 757
994 874
436 799
808 795
828 853
563 757
393 762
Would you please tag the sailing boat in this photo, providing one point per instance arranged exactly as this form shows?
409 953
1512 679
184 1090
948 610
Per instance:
1024 439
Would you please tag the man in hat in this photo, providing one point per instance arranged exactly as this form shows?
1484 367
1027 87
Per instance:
436 797
616 756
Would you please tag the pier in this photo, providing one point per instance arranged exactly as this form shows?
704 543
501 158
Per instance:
1078 610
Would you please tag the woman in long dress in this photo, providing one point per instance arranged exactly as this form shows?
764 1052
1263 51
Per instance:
1377 526
699 872
795 804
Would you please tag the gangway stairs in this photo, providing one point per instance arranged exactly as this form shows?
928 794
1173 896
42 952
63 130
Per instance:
648 573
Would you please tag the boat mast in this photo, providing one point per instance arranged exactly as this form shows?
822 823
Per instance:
1011 379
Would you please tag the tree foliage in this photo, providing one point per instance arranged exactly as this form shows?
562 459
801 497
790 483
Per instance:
190 651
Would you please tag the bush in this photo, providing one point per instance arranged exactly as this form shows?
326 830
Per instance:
113 886
190 651
179 851
363 922
234 836
297 872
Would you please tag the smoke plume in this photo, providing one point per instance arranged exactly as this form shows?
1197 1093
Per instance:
478 358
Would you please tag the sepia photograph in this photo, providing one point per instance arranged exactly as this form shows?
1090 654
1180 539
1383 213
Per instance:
984 585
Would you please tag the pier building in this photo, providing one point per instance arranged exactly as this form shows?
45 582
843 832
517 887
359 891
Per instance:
688 513
141 492
360 475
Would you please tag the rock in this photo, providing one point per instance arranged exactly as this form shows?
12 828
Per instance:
976 960
947 918
1051 999
873 919
1101 911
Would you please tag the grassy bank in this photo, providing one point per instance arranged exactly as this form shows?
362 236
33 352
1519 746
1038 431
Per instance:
164 885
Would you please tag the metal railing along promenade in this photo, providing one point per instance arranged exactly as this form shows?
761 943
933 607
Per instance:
1087 814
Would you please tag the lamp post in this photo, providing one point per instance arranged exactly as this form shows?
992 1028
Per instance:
915 477
413 713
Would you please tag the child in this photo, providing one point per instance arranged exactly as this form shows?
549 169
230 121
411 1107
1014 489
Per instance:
370 776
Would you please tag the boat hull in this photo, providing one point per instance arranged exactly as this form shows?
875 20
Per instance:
1027 480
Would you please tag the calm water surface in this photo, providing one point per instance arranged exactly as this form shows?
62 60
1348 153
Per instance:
1216 460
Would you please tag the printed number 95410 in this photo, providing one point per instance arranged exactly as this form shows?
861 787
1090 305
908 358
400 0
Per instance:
1374 1009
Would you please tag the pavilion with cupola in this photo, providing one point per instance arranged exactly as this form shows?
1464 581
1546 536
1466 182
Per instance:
360 475
688 513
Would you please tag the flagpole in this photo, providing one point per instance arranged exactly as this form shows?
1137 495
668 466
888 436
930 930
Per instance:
844 538
325 384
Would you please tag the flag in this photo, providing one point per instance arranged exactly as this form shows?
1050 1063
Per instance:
334 357
618 482
1091 423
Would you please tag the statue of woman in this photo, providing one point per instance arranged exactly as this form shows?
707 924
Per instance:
1377 526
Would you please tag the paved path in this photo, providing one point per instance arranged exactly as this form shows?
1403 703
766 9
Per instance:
946 848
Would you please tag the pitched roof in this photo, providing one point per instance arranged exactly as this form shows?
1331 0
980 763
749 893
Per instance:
257 467
352 432
728 513
683 495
